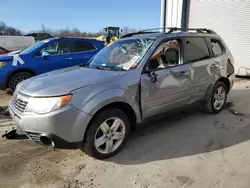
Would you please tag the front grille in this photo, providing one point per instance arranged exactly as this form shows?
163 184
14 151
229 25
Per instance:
35 137
19 103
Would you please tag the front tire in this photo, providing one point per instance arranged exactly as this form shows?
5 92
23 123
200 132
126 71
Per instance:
217 98
106 133
17 78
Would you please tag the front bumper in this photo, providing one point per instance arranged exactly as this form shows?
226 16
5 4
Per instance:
65 127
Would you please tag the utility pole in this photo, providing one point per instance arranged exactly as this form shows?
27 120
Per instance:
163 14
184 16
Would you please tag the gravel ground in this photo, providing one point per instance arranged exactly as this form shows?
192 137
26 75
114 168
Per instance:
185 149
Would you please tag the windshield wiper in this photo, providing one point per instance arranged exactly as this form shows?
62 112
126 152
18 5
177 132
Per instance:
103 67
83 65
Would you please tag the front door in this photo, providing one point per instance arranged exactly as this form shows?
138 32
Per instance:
166 82
60 56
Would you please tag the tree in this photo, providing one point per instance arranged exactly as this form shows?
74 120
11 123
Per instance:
7 30
127 30
66 32
76 32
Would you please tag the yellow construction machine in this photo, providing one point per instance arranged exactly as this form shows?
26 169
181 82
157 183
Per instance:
110 34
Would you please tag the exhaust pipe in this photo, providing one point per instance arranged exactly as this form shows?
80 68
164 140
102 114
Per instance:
47 141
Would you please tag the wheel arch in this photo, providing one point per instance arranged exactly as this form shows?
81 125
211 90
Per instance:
225 81
123 106
210 88
18 71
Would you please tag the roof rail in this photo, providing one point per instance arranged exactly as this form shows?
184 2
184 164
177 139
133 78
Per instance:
136 33
198 30
170 30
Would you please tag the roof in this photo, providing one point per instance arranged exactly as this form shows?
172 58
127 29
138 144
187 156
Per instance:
111 27
71 38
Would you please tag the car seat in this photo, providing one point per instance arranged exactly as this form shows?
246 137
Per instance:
170 58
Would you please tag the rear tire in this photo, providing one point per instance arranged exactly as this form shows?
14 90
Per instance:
217 98
17 78
102 141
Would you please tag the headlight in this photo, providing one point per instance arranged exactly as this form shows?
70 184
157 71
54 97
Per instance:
3 63
42 105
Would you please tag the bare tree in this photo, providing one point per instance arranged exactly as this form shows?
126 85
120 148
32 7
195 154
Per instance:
127 30
7 30
66 32
76 32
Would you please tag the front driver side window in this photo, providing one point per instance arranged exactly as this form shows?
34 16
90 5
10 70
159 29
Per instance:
166 55
57 48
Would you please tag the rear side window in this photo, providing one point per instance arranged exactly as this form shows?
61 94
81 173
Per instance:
81 46
195 49
216 47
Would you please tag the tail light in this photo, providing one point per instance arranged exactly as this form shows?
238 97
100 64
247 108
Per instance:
231 60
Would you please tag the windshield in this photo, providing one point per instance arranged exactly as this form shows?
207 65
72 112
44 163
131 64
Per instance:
32 47
122 54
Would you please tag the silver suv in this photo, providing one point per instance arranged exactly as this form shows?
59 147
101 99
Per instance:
141 75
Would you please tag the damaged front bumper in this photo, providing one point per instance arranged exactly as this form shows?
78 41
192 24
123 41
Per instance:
63 128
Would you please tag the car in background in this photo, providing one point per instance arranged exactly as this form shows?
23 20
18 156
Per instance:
3 51
14 43
44 56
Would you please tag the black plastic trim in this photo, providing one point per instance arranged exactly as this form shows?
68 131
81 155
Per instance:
58 141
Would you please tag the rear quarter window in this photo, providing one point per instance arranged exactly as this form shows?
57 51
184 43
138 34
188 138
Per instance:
217 46
82 46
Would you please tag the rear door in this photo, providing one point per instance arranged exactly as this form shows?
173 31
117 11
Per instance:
165 85
83 51
222 57
202 66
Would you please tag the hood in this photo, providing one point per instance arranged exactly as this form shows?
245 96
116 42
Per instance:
15 52
9 56
63 81
6 57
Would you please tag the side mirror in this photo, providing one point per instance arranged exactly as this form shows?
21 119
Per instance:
147 70
152 74
45 54
121 30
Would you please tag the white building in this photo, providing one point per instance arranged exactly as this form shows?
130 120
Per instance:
229 18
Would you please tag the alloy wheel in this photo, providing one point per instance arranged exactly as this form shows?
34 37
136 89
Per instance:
110 135
219 98
19 79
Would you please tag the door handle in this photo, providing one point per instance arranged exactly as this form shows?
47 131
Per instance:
68 58
153 77
184 72
214 65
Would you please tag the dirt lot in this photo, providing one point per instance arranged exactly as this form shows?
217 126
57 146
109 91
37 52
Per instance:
188 149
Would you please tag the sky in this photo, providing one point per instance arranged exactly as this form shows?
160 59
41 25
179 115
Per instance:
86 15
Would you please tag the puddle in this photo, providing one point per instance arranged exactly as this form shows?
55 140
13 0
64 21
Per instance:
234 112
228 106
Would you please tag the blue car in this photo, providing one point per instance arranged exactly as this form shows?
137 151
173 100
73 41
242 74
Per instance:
45 56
